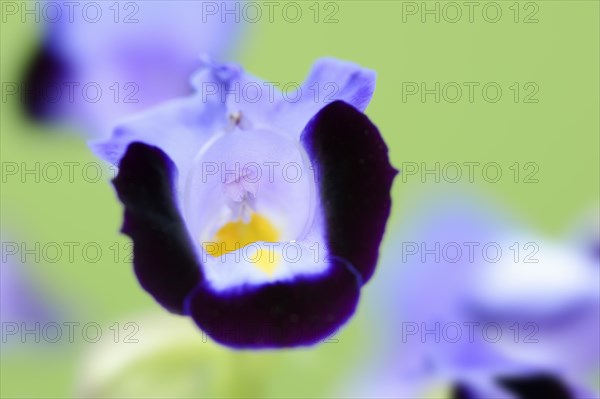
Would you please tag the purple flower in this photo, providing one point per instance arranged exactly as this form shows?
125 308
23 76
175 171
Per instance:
23 302
258 216
484 304
19 302
101 61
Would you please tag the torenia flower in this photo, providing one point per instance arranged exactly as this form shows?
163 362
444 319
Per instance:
101 61
485 304
258 213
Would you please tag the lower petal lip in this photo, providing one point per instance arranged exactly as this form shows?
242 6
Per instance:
280 314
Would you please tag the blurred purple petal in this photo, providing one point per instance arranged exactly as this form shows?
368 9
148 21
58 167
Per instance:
136 55
543 300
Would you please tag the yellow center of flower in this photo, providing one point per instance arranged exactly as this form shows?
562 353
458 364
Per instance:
239 234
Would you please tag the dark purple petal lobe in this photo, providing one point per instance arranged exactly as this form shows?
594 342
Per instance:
163 256
355 177
461 391
43 79
280 314
536 386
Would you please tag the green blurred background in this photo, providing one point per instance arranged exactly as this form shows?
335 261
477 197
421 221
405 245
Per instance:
560 133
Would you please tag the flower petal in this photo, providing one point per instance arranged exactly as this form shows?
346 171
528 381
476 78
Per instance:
262 104
536 386
281 314
521 387
141 61
354 84
479 390
45 72
179 127
272 169
329 80
164 258
354 177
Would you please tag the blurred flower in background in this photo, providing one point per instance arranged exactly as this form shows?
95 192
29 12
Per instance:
22 301
585 233
101 61
482 306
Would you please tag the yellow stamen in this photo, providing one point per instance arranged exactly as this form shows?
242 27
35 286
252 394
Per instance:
266 260
235 235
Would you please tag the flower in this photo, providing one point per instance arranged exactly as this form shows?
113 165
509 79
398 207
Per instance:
483 304
19 301
101 61
259 217
24 303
